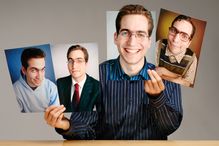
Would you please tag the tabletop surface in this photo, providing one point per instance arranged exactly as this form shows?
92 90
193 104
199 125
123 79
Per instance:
107 143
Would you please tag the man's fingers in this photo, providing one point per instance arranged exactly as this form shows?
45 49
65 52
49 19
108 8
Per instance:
155 85
54 114
153 80
48 110
158 80
148 86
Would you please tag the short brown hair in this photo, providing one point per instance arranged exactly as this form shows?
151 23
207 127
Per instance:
134 9
78 47
30 53
188 19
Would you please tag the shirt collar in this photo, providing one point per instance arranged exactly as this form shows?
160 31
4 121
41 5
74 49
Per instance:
142 75
81 83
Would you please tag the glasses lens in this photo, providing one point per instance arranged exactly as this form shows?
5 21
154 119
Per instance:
183 36
139 35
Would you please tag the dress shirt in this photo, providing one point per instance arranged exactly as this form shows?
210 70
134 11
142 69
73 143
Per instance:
127 112
81 85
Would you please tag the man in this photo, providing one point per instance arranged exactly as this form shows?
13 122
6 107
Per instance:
176 61
77 57
135 103
82 110
33 91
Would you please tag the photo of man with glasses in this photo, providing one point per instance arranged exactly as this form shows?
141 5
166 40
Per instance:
78 82
176 61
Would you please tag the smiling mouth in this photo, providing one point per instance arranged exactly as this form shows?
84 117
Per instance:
132 51
37 81
174 44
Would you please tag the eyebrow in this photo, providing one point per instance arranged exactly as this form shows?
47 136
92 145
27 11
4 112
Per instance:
37 68
75 58
141 31
181 31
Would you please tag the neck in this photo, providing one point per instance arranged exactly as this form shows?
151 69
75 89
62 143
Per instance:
131 69
79 79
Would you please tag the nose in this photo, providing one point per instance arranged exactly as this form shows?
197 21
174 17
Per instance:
132 39
176 38
73 64
40 74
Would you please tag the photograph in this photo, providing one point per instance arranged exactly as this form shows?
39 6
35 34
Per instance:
179 38
32 75
77 75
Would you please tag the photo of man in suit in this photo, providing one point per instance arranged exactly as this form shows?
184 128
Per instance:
78 84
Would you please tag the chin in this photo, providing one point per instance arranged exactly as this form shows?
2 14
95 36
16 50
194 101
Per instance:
132 61
37 85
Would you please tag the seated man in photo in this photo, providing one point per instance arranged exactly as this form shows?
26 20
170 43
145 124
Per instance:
177 62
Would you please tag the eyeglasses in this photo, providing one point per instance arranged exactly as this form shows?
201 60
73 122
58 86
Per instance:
77 61
182 35
139 35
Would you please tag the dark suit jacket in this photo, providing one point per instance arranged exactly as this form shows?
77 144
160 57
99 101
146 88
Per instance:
88 98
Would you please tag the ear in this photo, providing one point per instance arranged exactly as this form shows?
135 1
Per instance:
115 38
23 70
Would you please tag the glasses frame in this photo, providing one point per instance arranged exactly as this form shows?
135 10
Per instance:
139 35
182 35
77 61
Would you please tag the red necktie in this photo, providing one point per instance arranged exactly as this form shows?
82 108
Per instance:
76 97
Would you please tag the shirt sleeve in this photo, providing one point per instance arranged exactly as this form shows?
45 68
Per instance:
54 97
190 74
157 52
167 109
82 126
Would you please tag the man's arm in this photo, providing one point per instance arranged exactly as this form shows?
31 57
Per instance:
165 73
171 76
54 116
186 80
165 103
79 126
53 93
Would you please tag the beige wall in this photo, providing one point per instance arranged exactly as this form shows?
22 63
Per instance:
33 22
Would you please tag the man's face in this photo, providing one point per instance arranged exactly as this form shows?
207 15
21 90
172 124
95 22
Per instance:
133 48
175 42
35 71
77 65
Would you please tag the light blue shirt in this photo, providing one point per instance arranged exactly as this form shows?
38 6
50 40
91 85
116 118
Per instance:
37 100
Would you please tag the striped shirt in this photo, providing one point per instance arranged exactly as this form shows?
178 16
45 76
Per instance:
125 111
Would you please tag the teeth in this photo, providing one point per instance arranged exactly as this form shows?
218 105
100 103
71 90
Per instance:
131 50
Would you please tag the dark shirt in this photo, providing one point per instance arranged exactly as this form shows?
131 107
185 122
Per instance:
125 111
88 98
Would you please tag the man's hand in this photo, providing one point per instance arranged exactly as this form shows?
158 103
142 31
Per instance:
154 86
54 116
163 72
